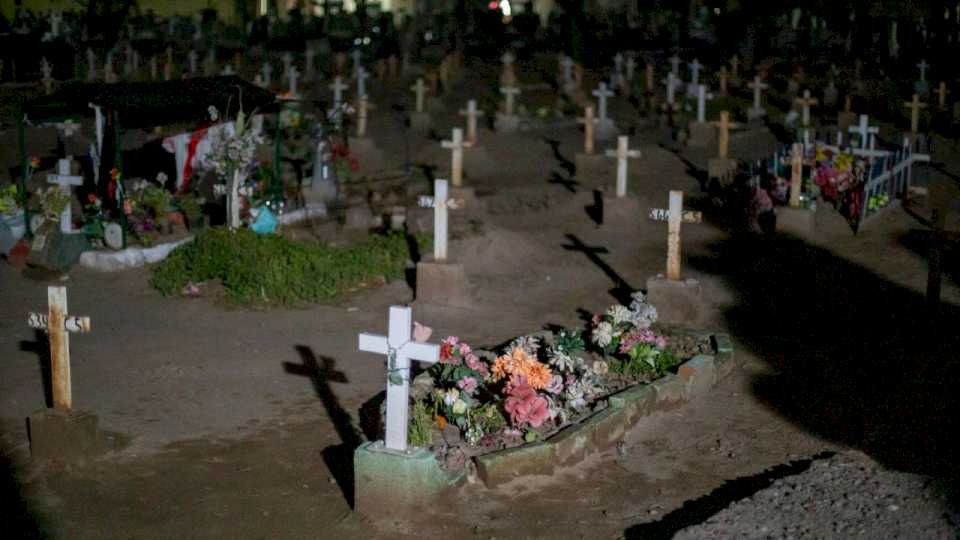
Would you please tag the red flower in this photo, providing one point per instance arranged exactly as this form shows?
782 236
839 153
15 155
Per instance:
91 198
114 174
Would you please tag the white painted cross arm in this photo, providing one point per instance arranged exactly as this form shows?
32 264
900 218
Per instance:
426 201
687 216
71 323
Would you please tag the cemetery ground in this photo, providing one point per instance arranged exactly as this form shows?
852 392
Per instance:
241 422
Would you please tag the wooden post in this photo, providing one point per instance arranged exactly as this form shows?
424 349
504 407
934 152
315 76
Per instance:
587 120
914 107
58 326
675 216
796 174
942 95
723 138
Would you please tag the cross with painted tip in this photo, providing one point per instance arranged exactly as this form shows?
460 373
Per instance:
675 215
399 349
58 325
622 153
805 102
472 113
587 120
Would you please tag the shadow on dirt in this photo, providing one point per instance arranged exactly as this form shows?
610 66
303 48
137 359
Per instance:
339 458
621 290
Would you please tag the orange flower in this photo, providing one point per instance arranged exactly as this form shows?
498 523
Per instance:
34 162
114 173
518 362
441 421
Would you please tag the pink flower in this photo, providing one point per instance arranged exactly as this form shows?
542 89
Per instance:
465 349
474 363
448 351
467 384
524 405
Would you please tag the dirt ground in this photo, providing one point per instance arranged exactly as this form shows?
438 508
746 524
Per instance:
236 422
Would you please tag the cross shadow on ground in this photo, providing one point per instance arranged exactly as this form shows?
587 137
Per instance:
856 359
621 290
338 458
41 346
564 163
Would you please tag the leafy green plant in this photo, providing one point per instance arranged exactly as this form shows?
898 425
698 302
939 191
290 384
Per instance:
191 205
420 429
270 269
645 361
157 199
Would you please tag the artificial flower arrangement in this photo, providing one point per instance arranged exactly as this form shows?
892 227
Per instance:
537 384
9 199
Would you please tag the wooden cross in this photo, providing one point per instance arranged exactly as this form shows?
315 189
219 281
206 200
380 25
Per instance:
58 326
702 97
399 350
361 75
445 73
440 204
292 76
723 135
674 216
508 94
758 86
338 87
456 144
362 117
864 130
923 65
914 107
602 93
942 92
587 120
287 59
64 179
796 174
622 153
471 112
805 102
420 90
434 81
723 80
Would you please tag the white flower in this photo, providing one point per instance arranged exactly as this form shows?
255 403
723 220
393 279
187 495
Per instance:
561 360
527 343
214 113
637 299
603 334
644 316
600 367
451 397
618 313
162 177
459 406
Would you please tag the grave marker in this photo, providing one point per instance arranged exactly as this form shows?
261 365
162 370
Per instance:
805 102
587 120
622 153
456 144
399 350
266 72
64 179
756 111
440 204
420 89
361 75
702 97
796 174
602 93
508 94
865 131
472 113
58 325
914 107
674 216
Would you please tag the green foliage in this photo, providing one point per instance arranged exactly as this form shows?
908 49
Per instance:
420 429
270 269
157 199
191 205
645 362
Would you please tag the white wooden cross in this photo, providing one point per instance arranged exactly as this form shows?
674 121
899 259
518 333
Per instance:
675 65
440 204
266 71
58 326
674 216
456 144
671 83
472 113
587 120
421 90
361 74
64 179
864 130
695 72
338 87
805 102
602 93
923 65
399 350
915 107
292 76
509 92
47 70
566 64
622 153
758 86
702 97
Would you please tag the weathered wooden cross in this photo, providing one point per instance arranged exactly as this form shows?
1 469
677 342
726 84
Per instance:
472 113
58 326
64 179
362 107
942 94
723 134
674 216
622 153
923 65
758 86
864 130
805 102
587 120
602 93
421 89
292 76
509 94
399 350
440 204
456 144
702 97
914 107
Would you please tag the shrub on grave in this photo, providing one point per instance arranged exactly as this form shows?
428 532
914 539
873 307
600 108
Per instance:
270 269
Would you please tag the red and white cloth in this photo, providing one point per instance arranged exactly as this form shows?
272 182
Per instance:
191 149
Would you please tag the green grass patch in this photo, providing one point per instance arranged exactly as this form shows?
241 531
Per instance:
272 270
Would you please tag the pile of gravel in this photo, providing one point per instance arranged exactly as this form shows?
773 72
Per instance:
843 496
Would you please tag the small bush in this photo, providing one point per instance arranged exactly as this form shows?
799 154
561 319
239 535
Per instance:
270 269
